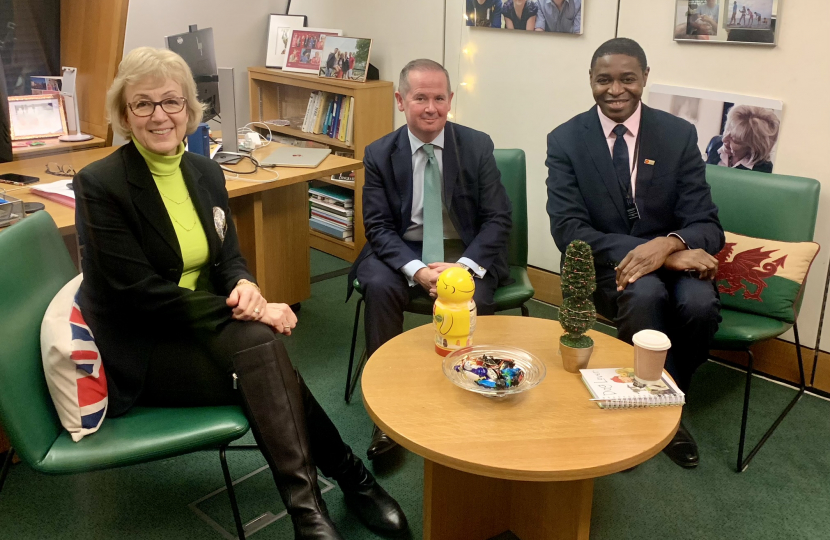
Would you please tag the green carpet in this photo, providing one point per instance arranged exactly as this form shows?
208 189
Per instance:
783 494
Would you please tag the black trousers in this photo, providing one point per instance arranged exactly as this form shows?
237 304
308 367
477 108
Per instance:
387 292
196 370
681 306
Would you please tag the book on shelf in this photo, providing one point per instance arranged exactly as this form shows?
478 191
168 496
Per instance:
617 389
330 229
333 195
343 221
347 176
332 208
329 114
350 125
344 119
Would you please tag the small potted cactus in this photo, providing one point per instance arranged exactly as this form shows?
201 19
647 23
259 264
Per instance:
577 314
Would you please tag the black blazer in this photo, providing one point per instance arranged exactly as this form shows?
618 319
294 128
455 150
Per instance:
132 263
479 207
585 200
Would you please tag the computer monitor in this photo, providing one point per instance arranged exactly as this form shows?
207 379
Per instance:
196 48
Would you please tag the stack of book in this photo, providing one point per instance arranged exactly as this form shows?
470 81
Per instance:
330 114
332 211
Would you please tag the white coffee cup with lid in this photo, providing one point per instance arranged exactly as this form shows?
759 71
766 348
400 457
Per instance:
650 348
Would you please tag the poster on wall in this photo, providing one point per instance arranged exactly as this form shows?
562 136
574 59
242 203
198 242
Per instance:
305 49
726 21
732 130
560 16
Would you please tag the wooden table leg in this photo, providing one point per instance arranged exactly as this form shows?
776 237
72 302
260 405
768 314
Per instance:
463 506
273 235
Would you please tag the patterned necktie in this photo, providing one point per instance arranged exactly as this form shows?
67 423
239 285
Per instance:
621 165
433 244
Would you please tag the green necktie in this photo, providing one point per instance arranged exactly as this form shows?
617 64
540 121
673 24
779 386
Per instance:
433 246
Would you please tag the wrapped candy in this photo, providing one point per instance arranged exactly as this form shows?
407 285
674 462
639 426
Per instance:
491 372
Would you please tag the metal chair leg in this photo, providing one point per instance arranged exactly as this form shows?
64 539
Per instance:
240 528
744 463
348 395
7 464
525 311
356 377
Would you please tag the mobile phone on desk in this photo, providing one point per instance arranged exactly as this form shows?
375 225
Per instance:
18 179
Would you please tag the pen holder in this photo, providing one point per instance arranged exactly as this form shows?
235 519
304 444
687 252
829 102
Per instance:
11 209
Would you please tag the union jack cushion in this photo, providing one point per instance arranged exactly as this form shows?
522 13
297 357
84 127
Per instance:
72 364
764 277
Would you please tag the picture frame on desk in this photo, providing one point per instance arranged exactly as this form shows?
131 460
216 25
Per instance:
36 117
279 28
305 49
346 58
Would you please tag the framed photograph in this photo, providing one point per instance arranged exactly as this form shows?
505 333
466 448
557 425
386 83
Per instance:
305 49
733 130
558 16
45 84
36 117
279 27
727 21
346 58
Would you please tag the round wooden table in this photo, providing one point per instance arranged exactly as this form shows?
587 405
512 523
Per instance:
523 463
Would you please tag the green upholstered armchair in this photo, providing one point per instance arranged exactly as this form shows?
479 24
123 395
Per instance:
511 164
34 265
772 207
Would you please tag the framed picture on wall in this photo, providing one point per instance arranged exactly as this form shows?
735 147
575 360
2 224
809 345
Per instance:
752 22
733 130
305 49
558 16
346 58
279 26
36 117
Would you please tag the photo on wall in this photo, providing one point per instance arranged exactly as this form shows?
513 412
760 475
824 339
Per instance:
305 49
726 21
346 58
559 16
732 130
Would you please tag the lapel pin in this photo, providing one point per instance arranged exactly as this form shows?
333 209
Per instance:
649 162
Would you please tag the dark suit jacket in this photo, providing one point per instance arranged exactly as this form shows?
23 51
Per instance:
479 207
585 200
132 263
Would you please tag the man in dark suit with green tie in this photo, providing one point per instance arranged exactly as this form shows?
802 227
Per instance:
631 181
432 199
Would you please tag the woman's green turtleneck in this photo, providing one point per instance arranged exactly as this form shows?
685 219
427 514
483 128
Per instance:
167 174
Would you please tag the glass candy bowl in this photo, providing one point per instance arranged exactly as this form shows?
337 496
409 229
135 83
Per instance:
532 370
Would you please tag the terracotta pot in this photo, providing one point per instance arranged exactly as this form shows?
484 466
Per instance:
575 359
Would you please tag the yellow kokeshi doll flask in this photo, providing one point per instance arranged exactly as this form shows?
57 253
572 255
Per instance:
454 312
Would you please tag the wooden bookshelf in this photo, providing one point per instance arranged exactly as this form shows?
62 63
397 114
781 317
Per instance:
284 95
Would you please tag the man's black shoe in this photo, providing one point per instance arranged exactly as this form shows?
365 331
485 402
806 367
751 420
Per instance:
683 449
381 443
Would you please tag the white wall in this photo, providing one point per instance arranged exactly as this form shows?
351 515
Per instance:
401 30
240 32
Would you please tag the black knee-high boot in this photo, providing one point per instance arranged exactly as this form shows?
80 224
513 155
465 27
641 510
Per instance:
274 405
363 495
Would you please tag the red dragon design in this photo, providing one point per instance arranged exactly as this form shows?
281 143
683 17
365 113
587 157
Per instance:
746 267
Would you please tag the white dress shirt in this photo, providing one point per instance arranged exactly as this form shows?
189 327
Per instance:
415 231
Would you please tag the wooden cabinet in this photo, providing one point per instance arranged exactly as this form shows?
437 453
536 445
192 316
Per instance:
284 95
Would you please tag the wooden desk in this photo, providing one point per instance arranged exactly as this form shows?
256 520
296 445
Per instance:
271 217
524 463
54 146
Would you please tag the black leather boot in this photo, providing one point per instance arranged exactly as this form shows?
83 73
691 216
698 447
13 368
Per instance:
274 405
363 495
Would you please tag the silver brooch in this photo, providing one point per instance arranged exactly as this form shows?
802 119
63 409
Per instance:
220 223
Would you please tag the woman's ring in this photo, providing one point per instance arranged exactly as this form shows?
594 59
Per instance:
256 310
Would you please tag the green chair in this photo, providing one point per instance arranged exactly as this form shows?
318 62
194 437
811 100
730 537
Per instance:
34 266
773 207
511 164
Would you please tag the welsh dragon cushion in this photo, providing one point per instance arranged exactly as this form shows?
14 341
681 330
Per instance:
763 277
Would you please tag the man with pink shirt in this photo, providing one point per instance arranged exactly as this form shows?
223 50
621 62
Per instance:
630 181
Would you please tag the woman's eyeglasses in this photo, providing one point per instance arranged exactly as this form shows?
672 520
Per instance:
146 107
59 170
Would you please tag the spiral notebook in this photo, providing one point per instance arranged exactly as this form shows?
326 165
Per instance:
616 389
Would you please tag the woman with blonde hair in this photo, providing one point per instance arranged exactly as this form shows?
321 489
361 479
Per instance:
177 316
748 138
